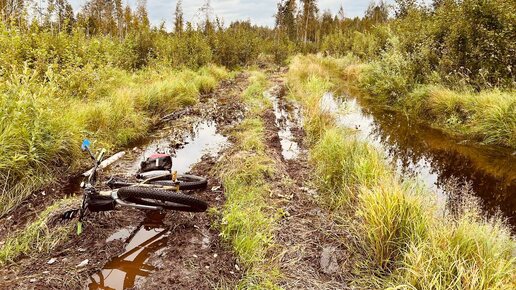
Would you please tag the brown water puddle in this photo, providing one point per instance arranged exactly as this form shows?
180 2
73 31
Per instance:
287 116
436 158
201 140
126 270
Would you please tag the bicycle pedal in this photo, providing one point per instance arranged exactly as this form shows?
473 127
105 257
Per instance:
70 214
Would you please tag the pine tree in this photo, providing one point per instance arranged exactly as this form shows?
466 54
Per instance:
327 23
377 12
403 7
309 18
179 21
11 9
141 12
341 14
128 19
119 18
206 11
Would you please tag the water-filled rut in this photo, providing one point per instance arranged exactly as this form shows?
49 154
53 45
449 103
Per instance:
436 158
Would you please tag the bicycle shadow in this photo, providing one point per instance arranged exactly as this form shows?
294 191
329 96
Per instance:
123 271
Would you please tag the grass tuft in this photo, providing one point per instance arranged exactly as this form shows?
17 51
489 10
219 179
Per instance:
392 217
41 235
342 164
465 252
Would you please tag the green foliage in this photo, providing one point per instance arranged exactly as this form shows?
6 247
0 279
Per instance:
390 77
191 49
237 45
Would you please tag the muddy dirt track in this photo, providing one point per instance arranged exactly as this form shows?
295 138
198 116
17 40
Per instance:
134 249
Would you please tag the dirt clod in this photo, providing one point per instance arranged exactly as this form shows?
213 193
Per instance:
328 262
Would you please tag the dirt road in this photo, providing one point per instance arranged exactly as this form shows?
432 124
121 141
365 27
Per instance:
133 249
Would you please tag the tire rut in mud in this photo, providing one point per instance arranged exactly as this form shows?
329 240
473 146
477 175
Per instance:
312 247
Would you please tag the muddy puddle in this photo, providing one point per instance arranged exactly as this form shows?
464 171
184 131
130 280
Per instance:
287 117
202 140
438 160
130 268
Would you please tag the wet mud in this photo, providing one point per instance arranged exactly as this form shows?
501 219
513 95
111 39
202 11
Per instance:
312 249
287 119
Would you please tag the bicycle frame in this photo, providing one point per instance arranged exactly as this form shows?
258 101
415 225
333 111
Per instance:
117 184
89 189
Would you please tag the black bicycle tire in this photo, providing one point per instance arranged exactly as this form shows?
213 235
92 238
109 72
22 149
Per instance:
144 196
197 182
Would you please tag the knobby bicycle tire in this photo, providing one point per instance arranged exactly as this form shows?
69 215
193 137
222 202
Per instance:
186 182
163 198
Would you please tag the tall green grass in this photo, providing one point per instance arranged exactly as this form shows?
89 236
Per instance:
312 80
405 238
343 165
464 252
487 116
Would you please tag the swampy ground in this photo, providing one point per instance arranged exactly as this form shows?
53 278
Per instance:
135 249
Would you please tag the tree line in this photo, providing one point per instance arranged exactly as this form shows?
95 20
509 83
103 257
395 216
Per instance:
470 39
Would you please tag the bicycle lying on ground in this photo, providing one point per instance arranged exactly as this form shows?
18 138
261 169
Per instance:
159 191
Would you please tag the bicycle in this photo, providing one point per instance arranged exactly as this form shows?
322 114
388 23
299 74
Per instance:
136 195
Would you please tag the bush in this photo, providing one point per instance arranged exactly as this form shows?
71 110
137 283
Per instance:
391 77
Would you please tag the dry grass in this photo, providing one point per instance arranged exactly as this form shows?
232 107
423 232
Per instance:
41 129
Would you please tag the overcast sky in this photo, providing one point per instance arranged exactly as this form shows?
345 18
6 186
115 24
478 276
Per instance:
259 12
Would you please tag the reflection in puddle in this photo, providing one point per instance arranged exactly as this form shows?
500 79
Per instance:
202 140
120 234
286 118
124 271
417 150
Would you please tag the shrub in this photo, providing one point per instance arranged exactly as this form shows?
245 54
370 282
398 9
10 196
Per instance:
390 78
466 252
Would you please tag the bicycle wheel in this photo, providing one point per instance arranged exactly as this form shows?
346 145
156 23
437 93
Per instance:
165 199
186 182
